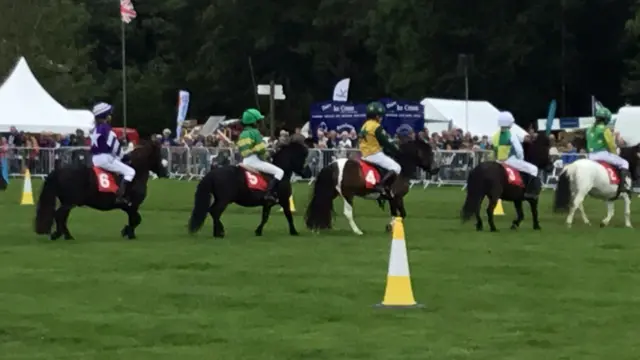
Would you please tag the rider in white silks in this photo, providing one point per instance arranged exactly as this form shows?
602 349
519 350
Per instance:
508 149
105 148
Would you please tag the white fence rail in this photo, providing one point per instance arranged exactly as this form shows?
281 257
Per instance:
192 163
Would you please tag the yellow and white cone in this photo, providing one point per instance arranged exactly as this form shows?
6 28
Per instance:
398 292
27 190
292 205
498 210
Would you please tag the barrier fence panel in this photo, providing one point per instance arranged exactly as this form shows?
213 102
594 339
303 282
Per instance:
192 163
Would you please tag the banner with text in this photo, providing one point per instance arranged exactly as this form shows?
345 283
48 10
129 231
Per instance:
338 116
402 116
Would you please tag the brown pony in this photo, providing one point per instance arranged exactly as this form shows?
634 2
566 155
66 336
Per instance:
350 178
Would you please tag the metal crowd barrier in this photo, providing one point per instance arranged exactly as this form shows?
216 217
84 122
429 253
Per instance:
193 163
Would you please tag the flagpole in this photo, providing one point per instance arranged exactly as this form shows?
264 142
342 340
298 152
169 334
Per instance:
124 80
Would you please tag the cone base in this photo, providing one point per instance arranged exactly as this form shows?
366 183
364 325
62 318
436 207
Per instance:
384 306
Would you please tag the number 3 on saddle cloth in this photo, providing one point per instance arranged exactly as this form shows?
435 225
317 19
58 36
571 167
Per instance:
612 171
106 181
371 174
514 177
255 180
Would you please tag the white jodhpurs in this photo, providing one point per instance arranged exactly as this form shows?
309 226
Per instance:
382 160
254 162
522 165
610 158
111 163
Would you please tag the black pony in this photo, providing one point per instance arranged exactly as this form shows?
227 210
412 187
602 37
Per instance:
79 186
491 179
231 184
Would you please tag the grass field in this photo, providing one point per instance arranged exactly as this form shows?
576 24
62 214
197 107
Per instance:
526 295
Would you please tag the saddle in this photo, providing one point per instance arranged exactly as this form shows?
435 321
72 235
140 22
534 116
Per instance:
108 182
254 179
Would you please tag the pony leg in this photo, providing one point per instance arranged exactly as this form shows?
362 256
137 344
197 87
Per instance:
627 210
493 202
519 215
266 210
585 219
533 204
129 230
61 217
216 211
348 213
286 208
396 206
578 198
611 209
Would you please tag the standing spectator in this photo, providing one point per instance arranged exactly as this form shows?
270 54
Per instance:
570 155
297 135
167 140
16 139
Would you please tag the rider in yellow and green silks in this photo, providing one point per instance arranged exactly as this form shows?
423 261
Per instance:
253 150
601 146
375 145
507 149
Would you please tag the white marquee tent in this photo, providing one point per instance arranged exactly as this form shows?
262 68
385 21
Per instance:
483 117
25 104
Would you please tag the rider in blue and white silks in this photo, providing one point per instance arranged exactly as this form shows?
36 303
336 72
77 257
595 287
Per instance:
105 148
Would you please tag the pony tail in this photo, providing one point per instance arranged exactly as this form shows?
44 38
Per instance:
202 202
46 206
319 213
562 196
474 197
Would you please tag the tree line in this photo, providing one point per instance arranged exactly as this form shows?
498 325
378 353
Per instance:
524 53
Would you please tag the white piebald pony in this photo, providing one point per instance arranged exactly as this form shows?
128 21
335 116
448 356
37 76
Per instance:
587 177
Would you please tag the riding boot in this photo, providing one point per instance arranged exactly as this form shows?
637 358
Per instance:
384 186
623 187
533 188
271 193
122 191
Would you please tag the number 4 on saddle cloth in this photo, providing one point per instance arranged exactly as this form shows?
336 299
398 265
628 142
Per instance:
255 180
106 180
371 173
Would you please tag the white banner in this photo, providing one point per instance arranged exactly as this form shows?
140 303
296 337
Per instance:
341 90
183 107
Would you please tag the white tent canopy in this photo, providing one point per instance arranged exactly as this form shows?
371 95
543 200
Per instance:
483 117
25 104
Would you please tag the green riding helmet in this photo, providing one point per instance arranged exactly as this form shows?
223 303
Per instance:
603 113
251 116
375 109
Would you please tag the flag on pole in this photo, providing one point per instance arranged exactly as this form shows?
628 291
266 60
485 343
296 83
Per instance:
127 12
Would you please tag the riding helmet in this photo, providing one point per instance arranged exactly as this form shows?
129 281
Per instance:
375 109
604 114
251 116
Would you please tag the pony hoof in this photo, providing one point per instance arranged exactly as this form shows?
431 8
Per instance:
258 232
603 224
537 227
494 230
358 232
294 233
514 226
629 226
218 235
54 236
388 228
125 231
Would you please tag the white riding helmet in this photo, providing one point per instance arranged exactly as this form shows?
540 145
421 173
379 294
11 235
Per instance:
505 119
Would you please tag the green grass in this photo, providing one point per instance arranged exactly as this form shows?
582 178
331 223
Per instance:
526 295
